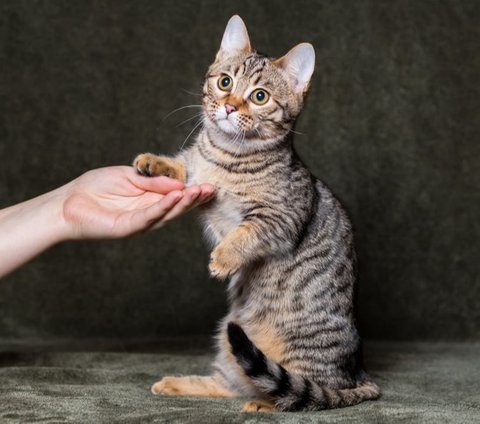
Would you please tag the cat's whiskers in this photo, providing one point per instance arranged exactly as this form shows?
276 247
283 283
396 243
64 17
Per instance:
189 119
192 93
258 132
237 136
295 132
200 122
234 141
240 145
180 108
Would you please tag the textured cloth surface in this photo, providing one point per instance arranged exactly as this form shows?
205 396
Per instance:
421 382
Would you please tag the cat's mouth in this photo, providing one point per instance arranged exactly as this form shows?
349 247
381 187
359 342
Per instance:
227 125
233 124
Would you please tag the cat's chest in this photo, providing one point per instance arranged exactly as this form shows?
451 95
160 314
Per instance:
225 212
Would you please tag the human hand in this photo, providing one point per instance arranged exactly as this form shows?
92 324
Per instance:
116 202
103 203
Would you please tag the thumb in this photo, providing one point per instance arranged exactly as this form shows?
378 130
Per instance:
161 185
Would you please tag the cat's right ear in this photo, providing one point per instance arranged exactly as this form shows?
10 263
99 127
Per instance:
298 64
235 38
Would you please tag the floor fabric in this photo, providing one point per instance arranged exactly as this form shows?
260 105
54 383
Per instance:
421 383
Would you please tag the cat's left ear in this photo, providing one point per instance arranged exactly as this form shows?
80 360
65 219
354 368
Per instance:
235 38
299 63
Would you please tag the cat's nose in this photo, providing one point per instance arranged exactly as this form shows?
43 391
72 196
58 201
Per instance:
230 108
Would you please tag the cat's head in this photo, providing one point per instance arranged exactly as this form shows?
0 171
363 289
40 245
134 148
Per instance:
250 97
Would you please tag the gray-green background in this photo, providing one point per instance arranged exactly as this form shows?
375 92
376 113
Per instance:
391 124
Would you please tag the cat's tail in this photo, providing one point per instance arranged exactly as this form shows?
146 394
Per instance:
292 392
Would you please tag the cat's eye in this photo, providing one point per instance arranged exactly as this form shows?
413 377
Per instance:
259 96
225 83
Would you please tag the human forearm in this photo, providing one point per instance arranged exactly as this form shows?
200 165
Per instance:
29 228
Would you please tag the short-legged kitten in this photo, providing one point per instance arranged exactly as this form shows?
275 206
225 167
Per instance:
289 340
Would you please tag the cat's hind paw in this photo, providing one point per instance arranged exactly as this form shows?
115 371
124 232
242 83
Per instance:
193 385
166 386
258 406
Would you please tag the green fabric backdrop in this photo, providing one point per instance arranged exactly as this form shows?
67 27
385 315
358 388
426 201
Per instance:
392 125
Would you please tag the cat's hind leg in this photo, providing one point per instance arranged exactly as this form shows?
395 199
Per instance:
258 406
193 385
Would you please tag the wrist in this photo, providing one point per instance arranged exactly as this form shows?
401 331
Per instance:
54 215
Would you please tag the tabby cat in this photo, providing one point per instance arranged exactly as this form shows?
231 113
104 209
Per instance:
289 340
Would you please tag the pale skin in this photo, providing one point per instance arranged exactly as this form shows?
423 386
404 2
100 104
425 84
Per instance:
104 203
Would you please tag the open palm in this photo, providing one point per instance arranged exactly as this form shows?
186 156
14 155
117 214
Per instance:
115 202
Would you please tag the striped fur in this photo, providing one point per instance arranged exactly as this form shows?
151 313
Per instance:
281 238
292 392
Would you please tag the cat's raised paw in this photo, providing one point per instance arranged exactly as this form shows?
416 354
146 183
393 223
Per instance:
150 165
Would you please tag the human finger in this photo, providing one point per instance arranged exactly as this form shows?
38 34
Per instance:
207 193
161 185
148 218
190 195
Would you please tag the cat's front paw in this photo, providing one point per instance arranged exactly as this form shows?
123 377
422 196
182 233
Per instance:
224 262
150 165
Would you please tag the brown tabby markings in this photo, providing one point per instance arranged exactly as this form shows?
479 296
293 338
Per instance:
289 339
